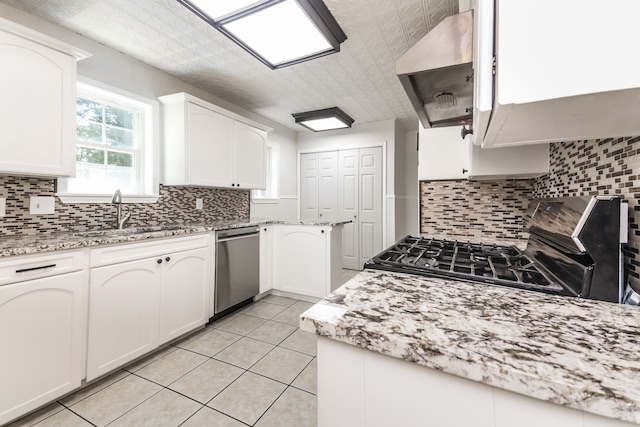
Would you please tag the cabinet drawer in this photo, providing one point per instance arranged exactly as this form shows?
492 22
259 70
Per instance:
19 269
134 251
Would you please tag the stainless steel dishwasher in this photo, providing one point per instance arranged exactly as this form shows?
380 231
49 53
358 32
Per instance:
237 267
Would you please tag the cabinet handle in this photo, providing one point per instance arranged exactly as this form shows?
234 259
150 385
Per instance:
159 261
42 267
237 185
465 170
168 259
265 229
322 231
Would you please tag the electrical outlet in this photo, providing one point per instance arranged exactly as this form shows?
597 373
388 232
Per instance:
3 206
39 205
198 203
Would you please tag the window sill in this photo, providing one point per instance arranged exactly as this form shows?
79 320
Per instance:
102 198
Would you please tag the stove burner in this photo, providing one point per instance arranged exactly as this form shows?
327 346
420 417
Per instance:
488 263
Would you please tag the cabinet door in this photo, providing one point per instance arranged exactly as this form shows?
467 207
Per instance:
309 186
266 257
209 137
442 154
302 260
123 314
250 154
183 292
41 328
37 108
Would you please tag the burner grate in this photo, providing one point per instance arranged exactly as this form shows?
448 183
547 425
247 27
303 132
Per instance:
490 263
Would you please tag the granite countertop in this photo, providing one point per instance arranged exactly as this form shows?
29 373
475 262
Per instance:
583 354
47 242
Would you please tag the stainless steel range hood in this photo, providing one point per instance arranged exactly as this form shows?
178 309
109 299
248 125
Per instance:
437 73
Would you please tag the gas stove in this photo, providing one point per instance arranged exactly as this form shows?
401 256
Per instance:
574 249
486 263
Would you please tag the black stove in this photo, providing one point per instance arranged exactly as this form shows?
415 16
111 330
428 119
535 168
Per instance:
486 263
574 249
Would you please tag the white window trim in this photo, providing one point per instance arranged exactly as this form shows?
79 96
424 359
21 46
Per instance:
275 150
150 163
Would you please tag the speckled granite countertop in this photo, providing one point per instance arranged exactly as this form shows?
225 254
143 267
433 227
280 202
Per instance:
579 353
47 242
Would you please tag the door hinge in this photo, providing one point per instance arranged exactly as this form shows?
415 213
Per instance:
493 66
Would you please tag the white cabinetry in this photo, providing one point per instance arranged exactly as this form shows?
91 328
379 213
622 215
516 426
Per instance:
205 145
37 102
557 78
266 258
356 388
143 295
306 259
443 154
42 307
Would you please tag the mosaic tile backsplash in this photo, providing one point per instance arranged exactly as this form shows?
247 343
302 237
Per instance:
496 210
488 211
176 205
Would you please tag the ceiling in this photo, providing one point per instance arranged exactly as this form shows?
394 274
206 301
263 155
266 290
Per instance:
360 79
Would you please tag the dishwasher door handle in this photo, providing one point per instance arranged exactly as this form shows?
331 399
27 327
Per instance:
241 236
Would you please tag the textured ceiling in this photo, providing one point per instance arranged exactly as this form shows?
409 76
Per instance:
360 79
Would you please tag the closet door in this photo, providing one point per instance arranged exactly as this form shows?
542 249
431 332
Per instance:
309 186
370 203
348 206
328 186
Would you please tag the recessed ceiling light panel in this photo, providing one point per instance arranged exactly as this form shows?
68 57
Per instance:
277 32
326 119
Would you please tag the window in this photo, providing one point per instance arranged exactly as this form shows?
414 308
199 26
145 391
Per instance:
270 194
114 148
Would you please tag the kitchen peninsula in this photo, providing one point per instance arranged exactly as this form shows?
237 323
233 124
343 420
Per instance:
396 349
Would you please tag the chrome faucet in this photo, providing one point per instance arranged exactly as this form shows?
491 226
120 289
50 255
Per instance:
120 219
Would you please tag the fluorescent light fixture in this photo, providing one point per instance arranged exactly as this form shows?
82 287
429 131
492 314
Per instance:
279 33
326 119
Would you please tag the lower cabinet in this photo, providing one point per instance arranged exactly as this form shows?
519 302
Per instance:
41 325
306 259
135 306
266 258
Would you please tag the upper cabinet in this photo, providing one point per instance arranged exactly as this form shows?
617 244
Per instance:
37 102
443 154
205 145
563 71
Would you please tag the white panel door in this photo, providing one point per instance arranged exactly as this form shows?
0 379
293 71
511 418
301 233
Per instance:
370 203
309 186
328 186
348 206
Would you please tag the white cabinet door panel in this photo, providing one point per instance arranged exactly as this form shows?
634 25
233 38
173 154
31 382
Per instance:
249 157
302 263
42 341
209 150
37 108
123 314
184 292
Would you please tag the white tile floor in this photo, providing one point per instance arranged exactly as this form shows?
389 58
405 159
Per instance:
254 368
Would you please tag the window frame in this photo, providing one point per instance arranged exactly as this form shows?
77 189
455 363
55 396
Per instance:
273 176
147 173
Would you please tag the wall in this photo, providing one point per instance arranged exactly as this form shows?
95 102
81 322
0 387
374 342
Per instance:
115 69
599 167
176 205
